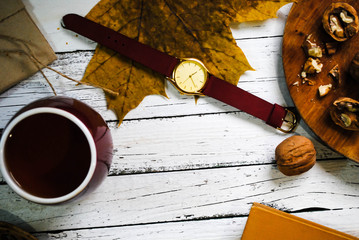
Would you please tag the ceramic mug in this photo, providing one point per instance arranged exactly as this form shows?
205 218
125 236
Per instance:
55 150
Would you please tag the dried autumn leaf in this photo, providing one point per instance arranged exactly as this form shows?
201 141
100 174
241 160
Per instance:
181 28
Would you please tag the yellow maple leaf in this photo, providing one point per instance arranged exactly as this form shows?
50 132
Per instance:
181 28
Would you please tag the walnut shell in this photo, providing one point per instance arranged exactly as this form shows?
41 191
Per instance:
345 113
295 155
340 21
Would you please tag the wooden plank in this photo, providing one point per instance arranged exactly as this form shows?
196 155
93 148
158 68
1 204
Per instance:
221 229
197 142
190 195
259 29
47 16
267 82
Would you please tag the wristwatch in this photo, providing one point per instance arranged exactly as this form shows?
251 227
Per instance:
188 75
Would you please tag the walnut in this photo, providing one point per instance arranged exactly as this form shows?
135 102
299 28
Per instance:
331 47
324 89
335 74
354 67
308 81
295 155
312 49
345 113
311 66
340 21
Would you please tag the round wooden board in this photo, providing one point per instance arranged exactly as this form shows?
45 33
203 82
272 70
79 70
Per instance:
305 18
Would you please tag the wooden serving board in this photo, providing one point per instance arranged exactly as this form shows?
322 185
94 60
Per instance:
305 18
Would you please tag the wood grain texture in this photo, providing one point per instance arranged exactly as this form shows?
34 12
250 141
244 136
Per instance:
267 82
182 170
197 142
304 19
214 229
190 195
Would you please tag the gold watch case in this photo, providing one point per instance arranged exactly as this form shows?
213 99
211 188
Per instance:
190 76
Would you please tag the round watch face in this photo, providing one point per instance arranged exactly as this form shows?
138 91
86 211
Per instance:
190 76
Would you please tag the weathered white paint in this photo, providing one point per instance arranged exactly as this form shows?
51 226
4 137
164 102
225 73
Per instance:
182 170
267 82
48 13
196 194
214 229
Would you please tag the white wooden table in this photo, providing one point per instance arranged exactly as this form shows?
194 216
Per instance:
181 170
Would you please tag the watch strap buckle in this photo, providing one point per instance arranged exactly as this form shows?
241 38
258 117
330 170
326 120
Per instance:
290 122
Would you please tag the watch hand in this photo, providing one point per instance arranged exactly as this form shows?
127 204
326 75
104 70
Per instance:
193 81
186 79
193 74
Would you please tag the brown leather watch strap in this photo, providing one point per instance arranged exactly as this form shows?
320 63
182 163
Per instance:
272 114
141 53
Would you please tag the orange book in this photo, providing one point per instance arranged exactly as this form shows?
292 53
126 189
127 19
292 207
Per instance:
266 223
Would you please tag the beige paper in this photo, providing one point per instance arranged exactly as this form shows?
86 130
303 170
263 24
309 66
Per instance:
15 25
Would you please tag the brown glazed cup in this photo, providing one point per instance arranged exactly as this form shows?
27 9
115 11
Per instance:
55 150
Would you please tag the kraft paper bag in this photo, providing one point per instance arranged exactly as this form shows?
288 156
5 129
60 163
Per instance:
19 39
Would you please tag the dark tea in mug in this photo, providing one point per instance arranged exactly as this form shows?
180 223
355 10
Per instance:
55 150
48 155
